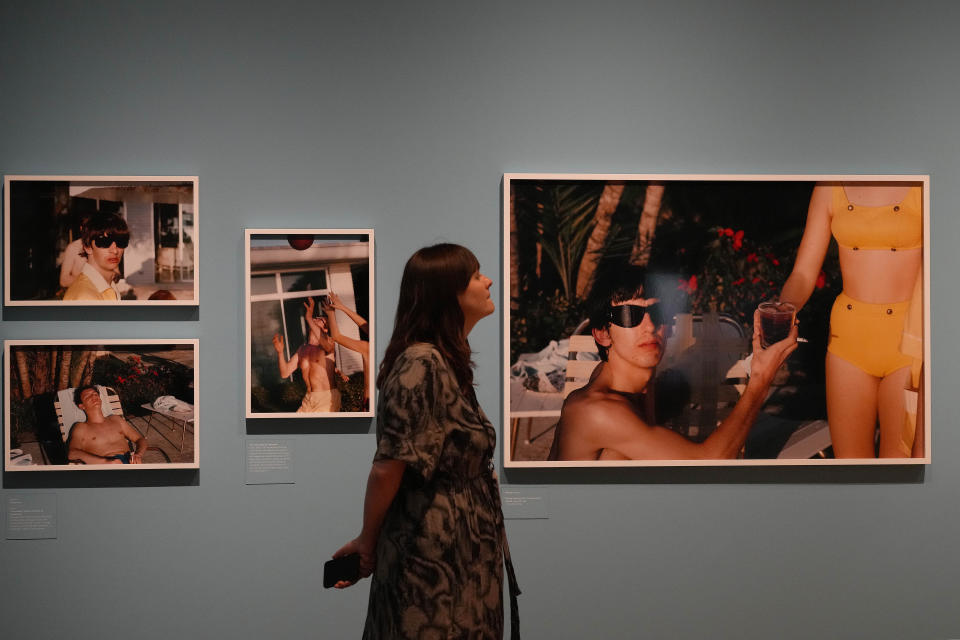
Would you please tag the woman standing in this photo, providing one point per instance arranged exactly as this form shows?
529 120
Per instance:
433 534
875 348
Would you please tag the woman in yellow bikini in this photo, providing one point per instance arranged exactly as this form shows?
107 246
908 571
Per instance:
875 349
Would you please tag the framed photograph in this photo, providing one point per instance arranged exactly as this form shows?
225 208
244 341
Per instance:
310 330
72 405
680 320
100 240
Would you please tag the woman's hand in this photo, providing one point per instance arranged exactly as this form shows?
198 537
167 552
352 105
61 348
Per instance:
335 301
765 362
367 552
278 342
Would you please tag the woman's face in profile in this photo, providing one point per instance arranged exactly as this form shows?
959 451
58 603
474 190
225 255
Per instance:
475 301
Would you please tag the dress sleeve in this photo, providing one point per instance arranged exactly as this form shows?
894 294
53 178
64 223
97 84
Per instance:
408 424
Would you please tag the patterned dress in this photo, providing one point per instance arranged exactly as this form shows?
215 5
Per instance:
439 569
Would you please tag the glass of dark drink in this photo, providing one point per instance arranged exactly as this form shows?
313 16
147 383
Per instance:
776 318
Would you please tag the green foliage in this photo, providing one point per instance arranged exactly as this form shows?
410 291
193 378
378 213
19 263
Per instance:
22 418
567 219
738 274
351 392
138 380
545 317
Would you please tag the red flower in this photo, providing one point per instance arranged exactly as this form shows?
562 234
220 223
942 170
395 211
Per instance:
728 233
119 379
821 280
738 282
688 286
757 279
738 240
751 257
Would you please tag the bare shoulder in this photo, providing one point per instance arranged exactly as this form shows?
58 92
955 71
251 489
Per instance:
598 410
116 420
79 429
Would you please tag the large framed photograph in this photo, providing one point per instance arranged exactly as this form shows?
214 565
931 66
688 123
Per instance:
73 405
100 240
679 320
310 322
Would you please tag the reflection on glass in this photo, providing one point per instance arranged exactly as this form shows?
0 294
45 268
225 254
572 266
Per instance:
304 281
261 285
264 322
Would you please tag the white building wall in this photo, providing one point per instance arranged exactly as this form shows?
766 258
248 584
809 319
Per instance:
140 254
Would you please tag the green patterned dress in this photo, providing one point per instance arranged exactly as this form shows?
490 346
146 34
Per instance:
439 571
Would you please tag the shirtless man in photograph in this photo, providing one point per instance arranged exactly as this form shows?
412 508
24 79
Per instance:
605 420
316 364
102 439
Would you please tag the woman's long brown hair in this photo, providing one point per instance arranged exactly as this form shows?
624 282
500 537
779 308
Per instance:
428 309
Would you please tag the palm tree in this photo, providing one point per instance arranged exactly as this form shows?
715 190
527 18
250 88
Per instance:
602 221
653 197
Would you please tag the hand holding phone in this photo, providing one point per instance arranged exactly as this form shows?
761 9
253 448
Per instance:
342 568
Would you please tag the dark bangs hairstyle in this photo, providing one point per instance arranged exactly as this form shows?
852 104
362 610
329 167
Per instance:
428 309
103 224
617 286
79 392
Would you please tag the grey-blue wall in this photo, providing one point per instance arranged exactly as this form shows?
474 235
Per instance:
402 117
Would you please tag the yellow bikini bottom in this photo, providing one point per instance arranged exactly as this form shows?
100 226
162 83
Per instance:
868 335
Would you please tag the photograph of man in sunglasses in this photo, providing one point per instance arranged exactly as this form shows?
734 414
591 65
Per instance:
100 240
611 418
104 238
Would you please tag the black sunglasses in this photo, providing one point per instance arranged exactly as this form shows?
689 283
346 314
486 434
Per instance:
104 241
631 315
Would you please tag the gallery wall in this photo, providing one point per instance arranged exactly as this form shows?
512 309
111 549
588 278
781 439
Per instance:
403 117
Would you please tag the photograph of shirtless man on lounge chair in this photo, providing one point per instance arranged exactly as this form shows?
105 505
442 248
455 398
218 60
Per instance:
72 405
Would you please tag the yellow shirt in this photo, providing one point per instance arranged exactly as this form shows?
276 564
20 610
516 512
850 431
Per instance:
90 285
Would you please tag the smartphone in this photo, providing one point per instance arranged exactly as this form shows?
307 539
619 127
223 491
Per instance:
343 568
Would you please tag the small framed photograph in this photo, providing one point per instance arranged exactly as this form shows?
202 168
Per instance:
309 323
72 405
100 240
682 320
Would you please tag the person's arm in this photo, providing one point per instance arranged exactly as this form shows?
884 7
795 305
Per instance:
813 249
353 315
139 442
286 366
71 268
382 485
615 425
360 346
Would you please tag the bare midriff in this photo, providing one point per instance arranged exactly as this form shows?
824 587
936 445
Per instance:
879 276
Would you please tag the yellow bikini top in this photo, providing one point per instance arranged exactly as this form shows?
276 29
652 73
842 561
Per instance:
890 227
